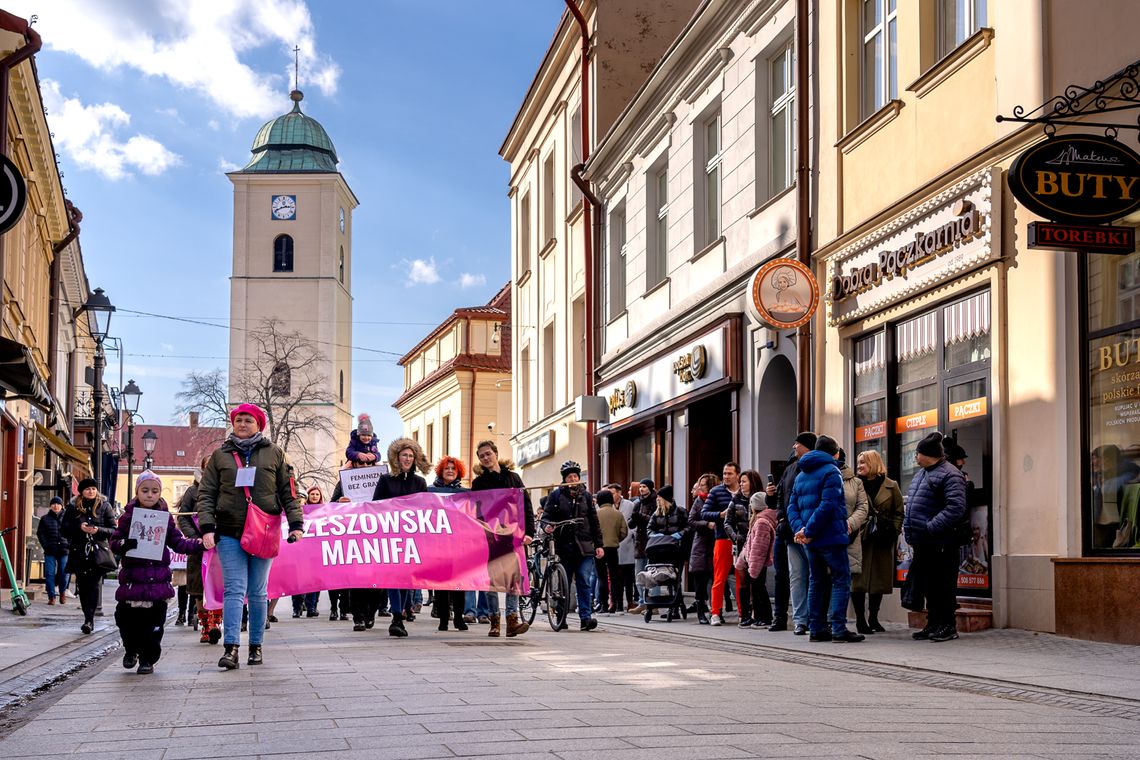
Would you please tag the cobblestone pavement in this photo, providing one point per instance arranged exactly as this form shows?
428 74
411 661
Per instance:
606 694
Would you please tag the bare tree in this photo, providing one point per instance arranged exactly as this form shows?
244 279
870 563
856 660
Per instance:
282 375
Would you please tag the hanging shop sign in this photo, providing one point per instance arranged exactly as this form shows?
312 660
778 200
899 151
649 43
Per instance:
13 194
1075 237
785 293
948 235
1088 179
535 450
624 397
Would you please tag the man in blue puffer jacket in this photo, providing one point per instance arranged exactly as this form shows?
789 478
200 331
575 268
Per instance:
935 505
817 514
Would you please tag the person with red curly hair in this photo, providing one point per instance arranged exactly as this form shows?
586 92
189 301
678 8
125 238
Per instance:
449 472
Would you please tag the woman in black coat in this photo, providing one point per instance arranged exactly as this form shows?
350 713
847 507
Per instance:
700 556
88 525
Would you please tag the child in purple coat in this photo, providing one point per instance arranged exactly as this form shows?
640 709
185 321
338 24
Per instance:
362 446
144 584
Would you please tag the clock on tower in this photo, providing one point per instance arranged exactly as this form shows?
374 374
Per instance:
284 207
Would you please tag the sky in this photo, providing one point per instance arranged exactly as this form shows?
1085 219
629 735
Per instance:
151 103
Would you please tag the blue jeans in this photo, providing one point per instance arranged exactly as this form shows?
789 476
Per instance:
475 603
826 559
399 600
493 602
584 572
798 582
245 577
55 574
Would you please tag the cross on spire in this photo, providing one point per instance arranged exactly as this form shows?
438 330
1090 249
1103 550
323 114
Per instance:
296 68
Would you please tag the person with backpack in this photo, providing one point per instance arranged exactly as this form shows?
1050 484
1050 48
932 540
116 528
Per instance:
935 509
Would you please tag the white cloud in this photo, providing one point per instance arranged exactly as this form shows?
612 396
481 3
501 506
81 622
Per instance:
195 44
170 113
423 272
89 134
467 280
214 124
227 166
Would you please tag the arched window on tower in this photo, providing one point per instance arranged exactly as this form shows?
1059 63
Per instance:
340 266
283 253
281 380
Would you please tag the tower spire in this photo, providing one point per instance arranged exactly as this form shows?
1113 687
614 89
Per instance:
296 95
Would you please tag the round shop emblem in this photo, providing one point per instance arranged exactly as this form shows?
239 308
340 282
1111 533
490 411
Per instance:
630 394
785 293
13 194
1077 178
698 362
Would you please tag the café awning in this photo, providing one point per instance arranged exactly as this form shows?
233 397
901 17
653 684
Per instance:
60 446
19 377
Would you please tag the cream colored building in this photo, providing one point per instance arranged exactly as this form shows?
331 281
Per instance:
697 176
547 232
976 335
457 383
292 262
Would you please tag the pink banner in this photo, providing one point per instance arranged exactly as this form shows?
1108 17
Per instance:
455 541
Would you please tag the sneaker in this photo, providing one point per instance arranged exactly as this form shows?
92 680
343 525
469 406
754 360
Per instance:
800 629
745 623
369 623
717 620
145 669
469 618
847 637
922 635
821 636
589 624
332 616
945 633
779 625
130 660
484 619
358 626
312 614
343 616
87 628
638 609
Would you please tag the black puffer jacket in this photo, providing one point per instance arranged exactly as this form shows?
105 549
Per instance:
779 500
186 523
51 536
400 484
506 477
736 523
674 521
935 505
639 522
101 515
586 536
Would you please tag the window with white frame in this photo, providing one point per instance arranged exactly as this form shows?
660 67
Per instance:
781 135
957 21
524 234
657 224
547 199
575 153
617 259
880 78
709 138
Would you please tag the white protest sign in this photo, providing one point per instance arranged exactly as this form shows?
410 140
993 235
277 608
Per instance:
177 561
359 483
148 528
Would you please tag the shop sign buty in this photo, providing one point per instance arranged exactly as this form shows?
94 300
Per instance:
897 262
1079 178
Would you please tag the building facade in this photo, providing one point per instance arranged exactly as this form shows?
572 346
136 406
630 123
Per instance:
941 317
698 184
292 270
547 231
457 383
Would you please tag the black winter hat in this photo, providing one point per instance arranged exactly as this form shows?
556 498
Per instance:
954 451
806 439
648 483
87 483
56 500
666 493
604 496
931 446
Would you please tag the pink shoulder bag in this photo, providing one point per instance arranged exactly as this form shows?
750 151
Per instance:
262 534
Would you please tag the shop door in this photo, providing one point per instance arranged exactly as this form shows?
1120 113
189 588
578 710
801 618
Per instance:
968 423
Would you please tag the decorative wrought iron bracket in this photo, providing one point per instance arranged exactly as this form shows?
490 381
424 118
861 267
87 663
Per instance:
1119 93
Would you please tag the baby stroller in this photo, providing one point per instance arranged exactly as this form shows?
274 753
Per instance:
661 577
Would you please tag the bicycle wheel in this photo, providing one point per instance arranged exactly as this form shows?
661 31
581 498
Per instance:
20 605
528 605
557 586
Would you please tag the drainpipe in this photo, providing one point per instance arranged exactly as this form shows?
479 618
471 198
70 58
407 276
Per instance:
803 213
589 201
75 216
20 54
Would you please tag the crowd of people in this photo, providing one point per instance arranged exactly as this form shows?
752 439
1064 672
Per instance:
828 530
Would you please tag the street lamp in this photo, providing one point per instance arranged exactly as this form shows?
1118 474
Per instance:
99 309
149 439
130 396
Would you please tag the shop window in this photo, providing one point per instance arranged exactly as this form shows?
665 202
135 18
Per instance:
916 342
957 21
1112 486
967 331
870 394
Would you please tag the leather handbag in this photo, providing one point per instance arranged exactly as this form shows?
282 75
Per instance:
261 536
100 556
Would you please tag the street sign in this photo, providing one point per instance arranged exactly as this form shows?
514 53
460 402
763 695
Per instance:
1073 237
1086 179
13 194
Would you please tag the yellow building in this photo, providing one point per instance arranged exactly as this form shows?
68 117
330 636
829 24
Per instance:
457 383
939 316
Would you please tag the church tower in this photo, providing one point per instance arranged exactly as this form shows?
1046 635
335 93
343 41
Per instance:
292 263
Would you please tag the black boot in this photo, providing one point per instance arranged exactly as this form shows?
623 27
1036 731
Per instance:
441 609
396 627
229 659
873 623
702 614
254 655
859 602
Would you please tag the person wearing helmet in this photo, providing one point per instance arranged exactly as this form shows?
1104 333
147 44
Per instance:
578 545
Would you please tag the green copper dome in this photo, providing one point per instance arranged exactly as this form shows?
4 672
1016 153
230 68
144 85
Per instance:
292 143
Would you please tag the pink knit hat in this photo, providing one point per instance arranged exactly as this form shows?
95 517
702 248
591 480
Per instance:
146 475
251 409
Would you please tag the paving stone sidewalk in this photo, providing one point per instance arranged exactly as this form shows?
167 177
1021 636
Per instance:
606 694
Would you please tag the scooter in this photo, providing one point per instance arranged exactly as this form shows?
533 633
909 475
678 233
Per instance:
20 601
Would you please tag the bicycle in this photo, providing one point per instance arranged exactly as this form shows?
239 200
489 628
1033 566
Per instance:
20 599
552 587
